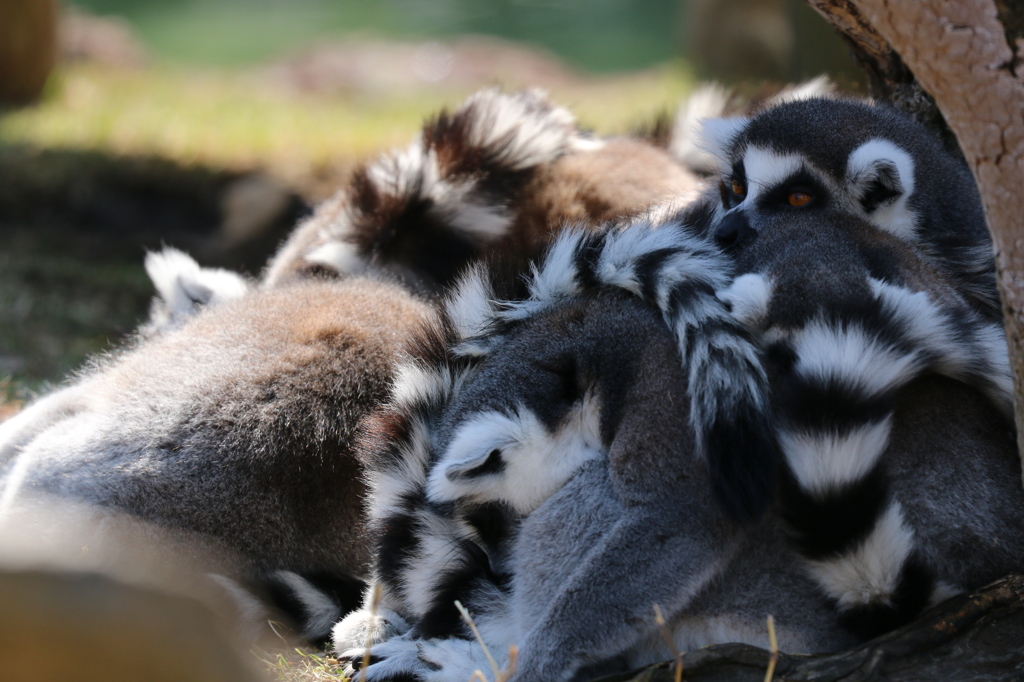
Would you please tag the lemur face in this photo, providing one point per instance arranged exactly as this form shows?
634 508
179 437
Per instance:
523 423
547 399
811 157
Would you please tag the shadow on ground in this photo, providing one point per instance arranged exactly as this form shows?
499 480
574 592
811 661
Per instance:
74 228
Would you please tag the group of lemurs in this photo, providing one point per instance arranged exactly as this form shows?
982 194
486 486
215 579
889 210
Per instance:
558 379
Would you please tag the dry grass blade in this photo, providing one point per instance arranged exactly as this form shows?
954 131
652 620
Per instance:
374 601
298 665
666 635
513 658
774 650
476 633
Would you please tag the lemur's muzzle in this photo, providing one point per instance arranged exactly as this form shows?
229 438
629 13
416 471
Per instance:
734 231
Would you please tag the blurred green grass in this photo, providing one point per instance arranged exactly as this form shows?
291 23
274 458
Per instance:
237 121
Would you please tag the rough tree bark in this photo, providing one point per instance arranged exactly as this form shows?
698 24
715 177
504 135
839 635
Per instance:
959 63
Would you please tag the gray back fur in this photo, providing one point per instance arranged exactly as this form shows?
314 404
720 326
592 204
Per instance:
237 426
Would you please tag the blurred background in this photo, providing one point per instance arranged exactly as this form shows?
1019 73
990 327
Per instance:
213 125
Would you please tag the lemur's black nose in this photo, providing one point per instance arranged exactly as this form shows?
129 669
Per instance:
734 230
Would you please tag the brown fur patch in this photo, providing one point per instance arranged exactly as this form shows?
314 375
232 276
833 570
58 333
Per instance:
620 180
274 386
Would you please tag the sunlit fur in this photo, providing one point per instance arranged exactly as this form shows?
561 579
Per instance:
235 426
500 174
280 377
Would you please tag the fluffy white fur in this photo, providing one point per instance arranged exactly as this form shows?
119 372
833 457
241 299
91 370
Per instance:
340 256
536 462
434 556
981 348
623 250
871 572
527 129
822 462
854 357
362 626
716 135
388 486
748 297
706 102
184 286
468 213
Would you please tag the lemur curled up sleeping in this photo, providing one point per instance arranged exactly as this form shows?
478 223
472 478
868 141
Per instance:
907 472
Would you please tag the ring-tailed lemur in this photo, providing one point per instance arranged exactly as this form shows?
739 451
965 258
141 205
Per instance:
827 156
500 174
587 398
853 317
237 426
666 266
451 489
868 263
896 316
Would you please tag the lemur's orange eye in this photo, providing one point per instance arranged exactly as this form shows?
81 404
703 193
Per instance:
799 199
738 188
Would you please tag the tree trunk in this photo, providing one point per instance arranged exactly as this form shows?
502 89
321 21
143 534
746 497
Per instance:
28 35
960 63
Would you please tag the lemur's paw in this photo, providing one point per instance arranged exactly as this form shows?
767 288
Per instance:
362 627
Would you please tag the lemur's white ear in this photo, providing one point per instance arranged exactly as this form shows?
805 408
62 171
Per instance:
480 464
183 287
476 450
709 101
476 447
880 173
715 136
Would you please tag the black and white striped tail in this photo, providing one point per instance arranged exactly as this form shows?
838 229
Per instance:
420 551
839 378
423 212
